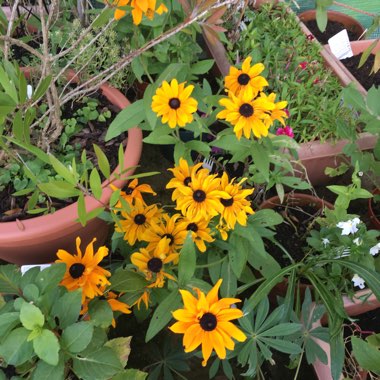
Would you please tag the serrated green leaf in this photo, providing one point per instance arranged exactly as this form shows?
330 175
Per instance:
16 349
50 277
44 371
46 346
31 316
100 313
10 277
67 308
126 280
122 347
76 338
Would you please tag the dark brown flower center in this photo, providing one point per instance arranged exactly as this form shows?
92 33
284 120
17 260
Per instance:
208 322
246 110
243 79
199 196
129 190
155 264
192 227
227 202
76 270
174 103
169 236
186 181
140 219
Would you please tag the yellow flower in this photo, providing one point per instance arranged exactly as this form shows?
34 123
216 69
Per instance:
205 321
152 265
146 7
143 298
82 271
246 115
277 113
119 13
182 176
223 229
173 102
132 192
202 197
165 236
236 206
200 232
137 221
248 78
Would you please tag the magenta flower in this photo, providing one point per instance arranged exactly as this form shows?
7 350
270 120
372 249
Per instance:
310 37
287 112
288 131
303 65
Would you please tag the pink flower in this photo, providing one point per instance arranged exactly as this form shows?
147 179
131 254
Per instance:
287 112
310 37
303 65
288 131
316 81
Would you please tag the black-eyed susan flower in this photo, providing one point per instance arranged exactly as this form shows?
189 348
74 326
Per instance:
236 207
133 191
83 271
202 197
147 8
200 232
143 298
205 321
248 78
137 221
165 237
119 12
152 265
246 115
279 110
173 102
182 176
223 229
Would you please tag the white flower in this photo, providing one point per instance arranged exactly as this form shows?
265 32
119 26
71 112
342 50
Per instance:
349 227
375 249
360 174
357 241
358 281
325 241
29 91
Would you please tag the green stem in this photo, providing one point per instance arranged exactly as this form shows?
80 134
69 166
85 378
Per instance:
299 363
211 264
284 250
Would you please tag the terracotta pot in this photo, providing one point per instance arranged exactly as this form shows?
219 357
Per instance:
36 240
372 216
342 72
300 200
349 22
259 3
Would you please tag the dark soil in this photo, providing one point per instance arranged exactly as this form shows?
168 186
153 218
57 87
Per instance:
12 208
333 27
363 74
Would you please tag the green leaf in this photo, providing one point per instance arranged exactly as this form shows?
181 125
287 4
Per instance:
10 277
337 353
130 374
282 329
163 314
95 183
47 347
77 337
39 153
261 159
122 347
187 261
126 280
16 349
238 254
50 277
42 88
98 365
282 345
202 67
321 15
31 292
67 308
62 170
44 371
59 189
100 313
31 316
8 321
367 52
367 355
103 162
8 85
126 119
103 18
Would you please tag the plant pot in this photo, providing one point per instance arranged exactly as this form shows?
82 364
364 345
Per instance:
300 200
316 156
36 240
372 216
351 24
342 72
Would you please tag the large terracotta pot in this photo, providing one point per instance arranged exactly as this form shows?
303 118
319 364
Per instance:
37 240
349 22
342 72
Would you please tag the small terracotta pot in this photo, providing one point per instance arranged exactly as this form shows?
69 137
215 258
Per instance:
342 72
372 216
349 22
36 240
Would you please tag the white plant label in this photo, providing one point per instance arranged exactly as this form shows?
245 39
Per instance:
25 268
340 45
